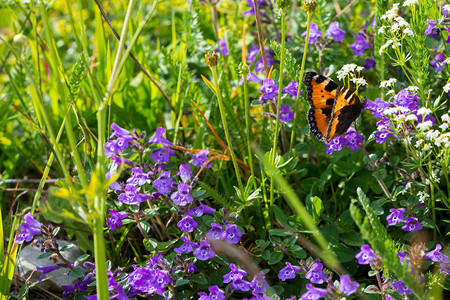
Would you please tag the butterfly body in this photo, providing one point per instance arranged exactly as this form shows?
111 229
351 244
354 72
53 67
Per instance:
333 108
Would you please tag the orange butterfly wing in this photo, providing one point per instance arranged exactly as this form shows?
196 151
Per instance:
333 107
321 92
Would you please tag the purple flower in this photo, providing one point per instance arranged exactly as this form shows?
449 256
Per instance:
377 107
444 268
401 256
137 177
259 284
288 272
335 144
215 233
231 234
292 89
401 287
132 197
382 136
187 224
269 90
158 137
431 28
365 256
438 62
314 33
187 246
185 173
28 229
148 280
119 132
370 63
359 45
347 286
200 210
240 285
259 66
334 31
46 270
406 99
111 148
182 197
313 293
116 219
412 224
192 268
119 160
204 251
315 274
164 184
200 158
396 216
251 77
251 4
214 294
223 47
353 139
286 115
234 274
162 155
437 256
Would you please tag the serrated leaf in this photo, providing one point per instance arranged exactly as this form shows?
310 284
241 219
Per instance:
150 244
213 193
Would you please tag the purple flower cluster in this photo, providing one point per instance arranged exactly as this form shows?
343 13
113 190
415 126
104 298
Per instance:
397 216
150 279
259 66
270 92
351 139
114 147
404 107
359 45
231 233
333 31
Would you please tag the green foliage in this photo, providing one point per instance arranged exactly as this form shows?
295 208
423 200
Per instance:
292 67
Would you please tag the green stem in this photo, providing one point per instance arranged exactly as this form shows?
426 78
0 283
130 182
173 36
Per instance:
225 128
280 88
300 78
248 128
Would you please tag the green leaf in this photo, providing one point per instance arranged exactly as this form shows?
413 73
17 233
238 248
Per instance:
275 257
150 244
76 272
67 247
200 279
81 259
279 232
213 193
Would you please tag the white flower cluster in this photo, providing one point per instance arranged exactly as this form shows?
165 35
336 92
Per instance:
347 70
392 13
447 87
429 137
446 8
388 83
409 2
359 81
386 45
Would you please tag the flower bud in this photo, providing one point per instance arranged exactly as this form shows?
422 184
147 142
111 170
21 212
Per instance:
211 59
310 6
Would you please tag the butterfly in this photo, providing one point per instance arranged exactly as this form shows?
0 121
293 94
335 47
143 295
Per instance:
333 108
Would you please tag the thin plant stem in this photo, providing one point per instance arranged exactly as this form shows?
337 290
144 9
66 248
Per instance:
260 37
300 77
380 182
248 128
280 87
225 128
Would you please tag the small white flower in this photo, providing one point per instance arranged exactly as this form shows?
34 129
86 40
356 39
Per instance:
387 44
447 87
403 110
422 196
423 111
359 81
390 14
424 126
426 147
408 31
444 126
391 111
410 2
445 118
412 118
395 27
345 70
381 29
446 8
390 92
432 134
418 143
388 83
359 69
412 88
